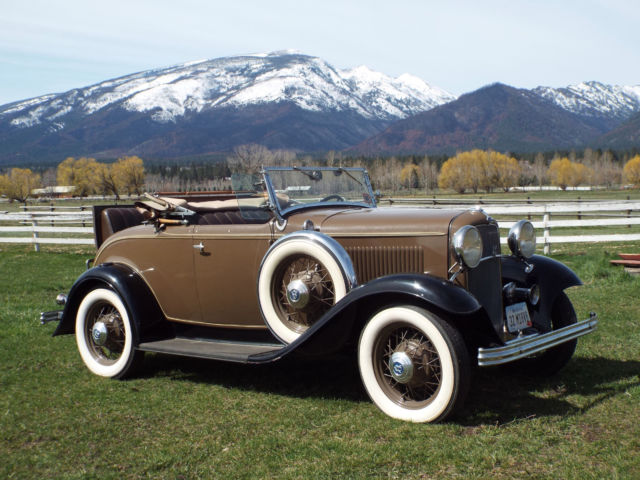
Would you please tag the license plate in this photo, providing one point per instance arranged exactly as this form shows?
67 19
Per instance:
517 317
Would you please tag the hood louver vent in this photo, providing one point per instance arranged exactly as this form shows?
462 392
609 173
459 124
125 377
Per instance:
374 262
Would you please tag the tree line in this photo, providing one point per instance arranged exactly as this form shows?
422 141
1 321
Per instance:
471 171
86 175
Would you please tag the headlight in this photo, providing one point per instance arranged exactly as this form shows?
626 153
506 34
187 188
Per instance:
468 246
522 239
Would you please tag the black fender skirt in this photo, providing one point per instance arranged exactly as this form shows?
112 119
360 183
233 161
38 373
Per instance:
335 324
126 283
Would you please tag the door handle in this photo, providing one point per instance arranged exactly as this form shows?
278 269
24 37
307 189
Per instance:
200 247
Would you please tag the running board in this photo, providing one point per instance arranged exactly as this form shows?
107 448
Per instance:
209 349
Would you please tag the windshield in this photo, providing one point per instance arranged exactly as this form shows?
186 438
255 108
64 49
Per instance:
301 187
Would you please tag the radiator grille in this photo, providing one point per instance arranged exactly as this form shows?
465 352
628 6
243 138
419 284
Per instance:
485 281
372 262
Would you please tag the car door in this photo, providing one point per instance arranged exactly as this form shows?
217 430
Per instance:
226 260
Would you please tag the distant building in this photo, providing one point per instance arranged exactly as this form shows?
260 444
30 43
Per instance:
54 192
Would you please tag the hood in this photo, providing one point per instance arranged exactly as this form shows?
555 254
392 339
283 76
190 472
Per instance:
393 221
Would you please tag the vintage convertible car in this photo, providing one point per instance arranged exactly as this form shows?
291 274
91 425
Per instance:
299 261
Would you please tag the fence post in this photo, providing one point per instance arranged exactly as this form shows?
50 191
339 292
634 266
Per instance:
36 245
579 212
628 211
547 232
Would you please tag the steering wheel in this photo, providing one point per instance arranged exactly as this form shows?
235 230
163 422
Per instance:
335 196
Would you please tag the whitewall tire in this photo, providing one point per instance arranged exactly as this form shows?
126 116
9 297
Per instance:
298 269
105 335
414 366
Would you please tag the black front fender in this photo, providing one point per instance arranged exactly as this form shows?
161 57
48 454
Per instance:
132 289
338 323
550 275
435 291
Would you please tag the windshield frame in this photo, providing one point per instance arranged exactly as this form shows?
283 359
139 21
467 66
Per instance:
281 213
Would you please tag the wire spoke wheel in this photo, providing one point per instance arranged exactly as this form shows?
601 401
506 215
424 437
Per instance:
105 335
111 350
414 365
301 276
318 283
427 370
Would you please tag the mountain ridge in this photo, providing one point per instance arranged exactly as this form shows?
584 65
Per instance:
282 95
497 117
299 102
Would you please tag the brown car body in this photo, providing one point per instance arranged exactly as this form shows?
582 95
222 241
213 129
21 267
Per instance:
256 276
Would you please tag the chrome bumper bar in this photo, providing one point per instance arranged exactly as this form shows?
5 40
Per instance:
529 344
46 317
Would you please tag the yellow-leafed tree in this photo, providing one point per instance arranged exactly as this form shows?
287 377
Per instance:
564 173
632 171
128 173
454 174
107 182
478 169
19 183
82 173
504 171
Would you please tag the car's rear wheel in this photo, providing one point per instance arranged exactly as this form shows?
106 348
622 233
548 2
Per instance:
299 281
105 335
414 365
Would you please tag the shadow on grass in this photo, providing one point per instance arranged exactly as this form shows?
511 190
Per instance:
497 395
500 395
331 377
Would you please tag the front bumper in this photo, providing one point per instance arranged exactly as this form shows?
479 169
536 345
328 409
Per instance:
529 344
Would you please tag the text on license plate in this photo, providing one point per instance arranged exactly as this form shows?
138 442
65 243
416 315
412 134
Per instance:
517 317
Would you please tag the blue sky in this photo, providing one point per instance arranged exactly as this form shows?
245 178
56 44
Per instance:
51 46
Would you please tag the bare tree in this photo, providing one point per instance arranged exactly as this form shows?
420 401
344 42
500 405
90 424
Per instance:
539 169
429 173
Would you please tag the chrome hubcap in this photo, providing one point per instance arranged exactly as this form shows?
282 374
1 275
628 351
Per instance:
401 367
99 333
297 294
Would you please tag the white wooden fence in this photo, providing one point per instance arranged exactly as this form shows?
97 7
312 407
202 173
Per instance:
584 213
33 222
36 224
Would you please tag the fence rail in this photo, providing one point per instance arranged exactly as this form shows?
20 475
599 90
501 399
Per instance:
598 213
73 225
31 222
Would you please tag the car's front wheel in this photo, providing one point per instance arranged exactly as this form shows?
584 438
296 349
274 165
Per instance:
553 359
105 335
414 365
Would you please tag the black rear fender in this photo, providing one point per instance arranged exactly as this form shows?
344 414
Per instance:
132 289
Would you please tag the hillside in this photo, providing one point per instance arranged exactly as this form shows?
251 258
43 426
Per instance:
281 100
497 117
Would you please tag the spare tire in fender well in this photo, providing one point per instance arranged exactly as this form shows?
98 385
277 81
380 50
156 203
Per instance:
323 275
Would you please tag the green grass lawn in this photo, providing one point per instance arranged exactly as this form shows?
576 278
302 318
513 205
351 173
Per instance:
188 418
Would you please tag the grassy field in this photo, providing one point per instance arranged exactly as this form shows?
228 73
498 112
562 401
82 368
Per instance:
186 418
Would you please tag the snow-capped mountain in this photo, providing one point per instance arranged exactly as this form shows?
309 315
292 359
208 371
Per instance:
280 100
609 103
287 100
308 82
